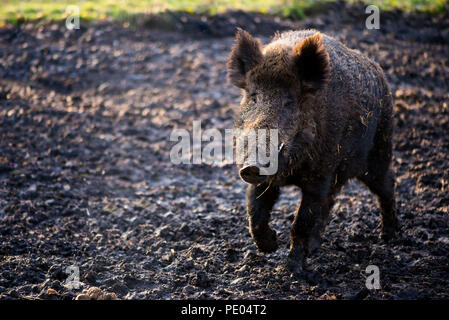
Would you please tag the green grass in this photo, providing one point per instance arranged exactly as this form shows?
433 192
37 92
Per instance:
15 11
428 6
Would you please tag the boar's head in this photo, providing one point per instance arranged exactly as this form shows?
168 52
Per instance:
280 86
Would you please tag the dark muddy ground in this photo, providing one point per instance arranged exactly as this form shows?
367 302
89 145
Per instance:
86 180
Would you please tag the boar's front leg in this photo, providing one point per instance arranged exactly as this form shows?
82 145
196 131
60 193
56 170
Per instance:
260 200
310 219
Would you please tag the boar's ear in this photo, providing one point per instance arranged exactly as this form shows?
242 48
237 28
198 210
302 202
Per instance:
246 53
311 61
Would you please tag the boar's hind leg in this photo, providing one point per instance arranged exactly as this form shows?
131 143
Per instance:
380 180
260 200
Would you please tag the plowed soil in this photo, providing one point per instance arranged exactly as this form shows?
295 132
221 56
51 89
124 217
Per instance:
86 177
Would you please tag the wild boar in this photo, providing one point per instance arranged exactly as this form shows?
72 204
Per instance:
333 108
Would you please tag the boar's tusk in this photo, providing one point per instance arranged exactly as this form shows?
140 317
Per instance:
281 147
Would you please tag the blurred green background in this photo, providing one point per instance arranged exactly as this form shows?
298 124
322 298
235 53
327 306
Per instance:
14 11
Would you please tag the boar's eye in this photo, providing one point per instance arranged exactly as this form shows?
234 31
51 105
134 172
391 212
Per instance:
288 102
253 97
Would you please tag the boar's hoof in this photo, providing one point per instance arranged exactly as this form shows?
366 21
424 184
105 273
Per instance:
387 235
389 228
389 232
295 261
265 241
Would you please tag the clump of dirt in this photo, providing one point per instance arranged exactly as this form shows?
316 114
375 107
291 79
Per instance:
86 178
95 293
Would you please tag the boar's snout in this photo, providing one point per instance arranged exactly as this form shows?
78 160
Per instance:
256 173
251 174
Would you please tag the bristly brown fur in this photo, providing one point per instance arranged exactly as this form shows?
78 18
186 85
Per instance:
245 54
311 59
